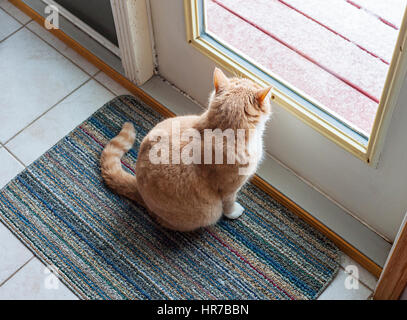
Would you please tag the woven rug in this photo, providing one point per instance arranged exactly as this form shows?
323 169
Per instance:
107 247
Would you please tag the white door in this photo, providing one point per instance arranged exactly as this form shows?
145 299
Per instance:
375 194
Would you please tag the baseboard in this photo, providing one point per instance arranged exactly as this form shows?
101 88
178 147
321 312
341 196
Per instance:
344 245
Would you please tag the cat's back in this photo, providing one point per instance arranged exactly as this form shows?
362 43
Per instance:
171 124
169 182
156 159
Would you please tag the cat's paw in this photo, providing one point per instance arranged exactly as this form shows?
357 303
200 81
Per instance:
236 213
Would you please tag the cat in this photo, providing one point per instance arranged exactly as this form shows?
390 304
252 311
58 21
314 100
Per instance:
187 196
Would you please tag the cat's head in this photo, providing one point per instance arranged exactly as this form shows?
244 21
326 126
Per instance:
240 97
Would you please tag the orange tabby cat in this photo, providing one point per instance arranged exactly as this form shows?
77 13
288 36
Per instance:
185 192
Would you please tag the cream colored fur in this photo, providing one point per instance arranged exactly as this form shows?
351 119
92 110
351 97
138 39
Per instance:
185 197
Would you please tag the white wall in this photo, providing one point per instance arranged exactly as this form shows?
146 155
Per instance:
376 196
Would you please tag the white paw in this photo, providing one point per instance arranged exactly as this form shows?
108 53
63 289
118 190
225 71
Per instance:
236 213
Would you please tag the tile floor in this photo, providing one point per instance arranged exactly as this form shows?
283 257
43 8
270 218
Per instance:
46 91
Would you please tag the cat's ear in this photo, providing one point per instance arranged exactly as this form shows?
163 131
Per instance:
262 94
220 81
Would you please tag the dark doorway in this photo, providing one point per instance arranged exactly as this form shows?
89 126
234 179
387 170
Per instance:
95 13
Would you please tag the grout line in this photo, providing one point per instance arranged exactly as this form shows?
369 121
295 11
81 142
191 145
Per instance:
46 111
91 76
105 86
15 157
94 76
32 122
59 101
11 34
15 272
62 54
23 24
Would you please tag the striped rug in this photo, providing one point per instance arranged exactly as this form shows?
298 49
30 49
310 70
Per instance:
106 247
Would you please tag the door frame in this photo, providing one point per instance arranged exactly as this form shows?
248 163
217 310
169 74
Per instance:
393 279
133 30
303 109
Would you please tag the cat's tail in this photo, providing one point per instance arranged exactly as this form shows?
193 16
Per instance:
115 177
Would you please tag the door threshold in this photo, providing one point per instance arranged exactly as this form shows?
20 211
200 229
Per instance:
354 238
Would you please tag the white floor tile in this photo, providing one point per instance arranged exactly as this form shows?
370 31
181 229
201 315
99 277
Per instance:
364 276
34 77
14 11
7 25
13 254
33 282
338 291
112 85
9 167
164 93
62 48
36 139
